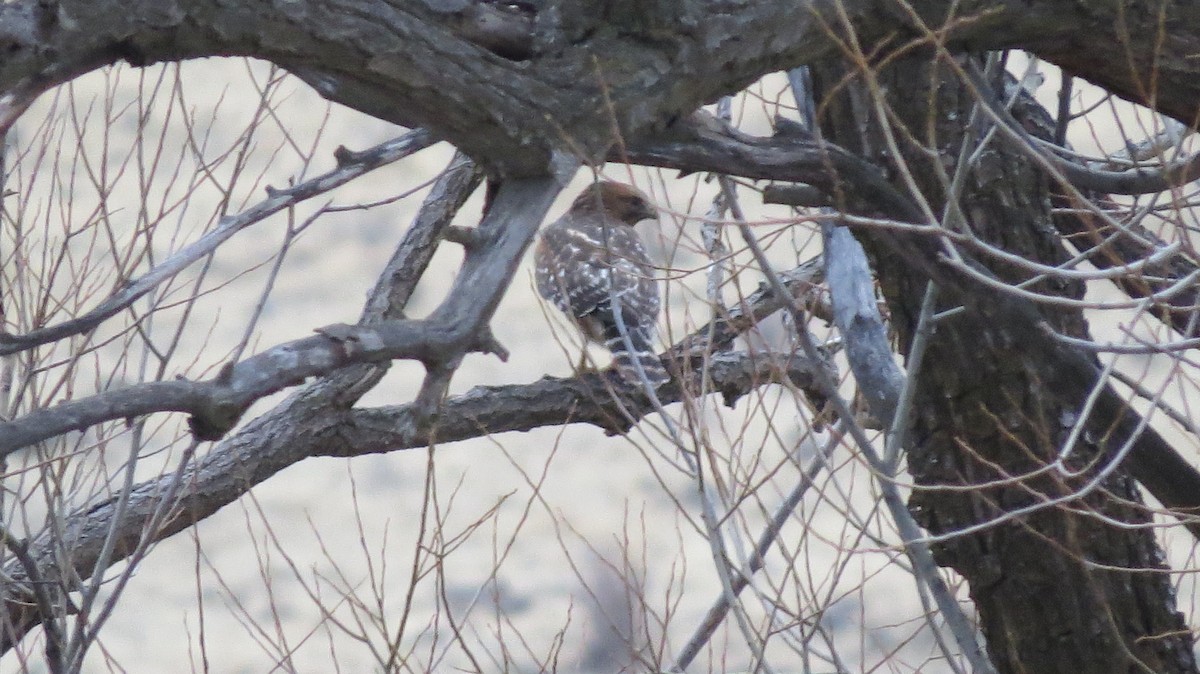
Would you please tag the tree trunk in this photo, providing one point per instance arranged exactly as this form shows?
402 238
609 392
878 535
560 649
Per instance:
1048 582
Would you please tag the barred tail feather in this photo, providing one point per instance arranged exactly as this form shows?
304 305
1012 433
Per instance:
629 343
640 364
651 368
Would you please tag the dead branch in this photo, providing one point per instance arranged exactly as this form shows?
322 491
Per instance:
310 423
371 54
699 145
459 326
350 166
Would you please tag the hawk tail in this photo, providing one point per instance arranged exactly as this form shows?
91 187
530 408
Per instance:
639 363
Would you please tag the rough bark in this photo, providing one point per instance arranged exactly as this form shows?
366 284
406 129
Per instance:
590 72
312 423
1049 584
862 188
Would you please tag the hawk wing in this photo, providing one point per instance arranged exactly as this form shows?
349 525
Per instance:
583 268
601 277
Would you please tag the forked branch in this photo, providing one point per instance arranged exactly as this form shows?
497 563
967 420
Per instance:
350 166
702 144
309 424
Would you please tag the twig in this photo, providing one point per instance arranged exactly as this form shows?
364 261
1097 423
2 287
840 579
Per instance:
1167 409
897 438
917 549
1133 181
351 166
315 422
717 612
712 523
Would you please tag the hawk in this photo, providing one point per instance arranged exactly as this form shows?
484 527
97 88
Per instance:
591 264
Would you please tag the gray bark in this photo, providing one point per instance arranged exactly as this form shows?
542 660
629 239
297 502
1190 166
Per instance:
631 67
531 96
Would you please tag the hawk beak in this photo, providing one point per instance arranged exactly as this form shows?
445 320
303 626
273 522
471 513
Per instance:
646 213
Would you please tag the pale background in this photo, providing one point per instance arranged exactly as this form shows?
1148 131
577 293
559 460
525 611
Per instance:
232 597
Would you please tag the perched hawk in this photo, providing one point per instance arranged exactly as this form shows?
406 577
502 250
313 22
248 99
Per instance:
592 266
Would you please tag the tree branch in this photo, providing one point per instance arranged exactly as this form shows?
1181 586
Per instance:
705 143
351 165
868 350
1071 373
456 328
307 424
217 404
417 64
1132 181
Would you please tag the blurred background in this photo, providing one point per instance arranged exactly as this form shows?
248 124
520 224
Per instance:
560 549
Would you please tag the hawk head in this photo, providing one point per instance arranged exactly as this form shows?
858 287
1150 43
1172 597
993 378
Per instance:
616 200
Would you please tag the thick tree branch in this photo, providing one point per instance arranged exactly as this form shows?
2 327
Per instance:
415 64
697 146
456 328
596 399
308 425
632 67
703 142
1070 373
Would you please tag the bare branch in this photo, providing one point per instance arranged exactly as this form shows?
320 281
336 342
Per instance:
704 143
383 57
399 279
456 328
350 166
735 320
697 146
218 403
512 219
403 272
307 425
1131 181
766 540
856 313
596 399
